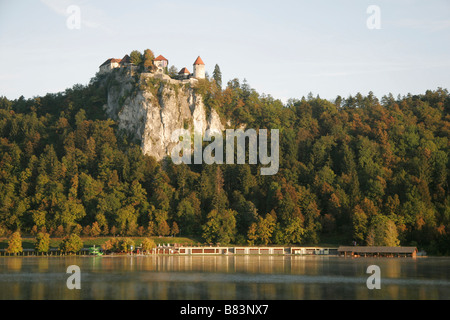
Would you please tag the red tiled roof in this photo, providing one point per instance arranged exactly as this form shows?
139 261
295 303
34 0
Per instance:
111 60
199 61
184 71
160 58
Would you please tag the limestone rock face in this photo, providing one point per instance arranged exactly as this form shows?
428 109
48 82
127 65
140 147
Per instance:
152 107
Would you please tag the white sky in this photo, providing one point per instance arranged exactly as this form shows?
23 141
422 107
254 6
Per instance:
283 48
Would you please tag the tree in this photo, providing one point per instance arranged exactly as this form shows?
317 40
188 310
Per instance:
260 232
95 230
246 211
42 243
174 230
77 229
382 232
173 71
148 58
148 244
163 228
220 226
71 244
294 231
251 234
113 231
34 230
126 220
136 57
188 215
359 222
59 232
111 245
118 245
87 231
15 243
126 244
217 76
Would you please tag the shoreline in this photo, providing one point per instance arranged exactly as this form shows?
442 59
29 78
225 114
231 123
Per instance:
341 251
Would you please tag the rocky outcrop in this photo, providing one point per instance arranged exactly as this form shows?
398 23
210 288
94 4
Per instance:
153 106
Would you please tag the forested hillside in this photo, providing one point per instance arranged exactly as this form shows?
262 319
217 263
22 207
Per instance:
355 169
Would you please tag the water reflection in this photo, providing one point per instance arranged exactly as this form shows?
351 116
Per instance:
223 277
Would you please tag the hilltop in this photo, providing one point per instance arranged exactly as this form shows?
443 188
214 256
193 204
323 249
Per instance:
151 105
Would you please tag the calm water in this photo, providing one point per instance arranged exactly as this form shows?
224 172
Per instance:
223 277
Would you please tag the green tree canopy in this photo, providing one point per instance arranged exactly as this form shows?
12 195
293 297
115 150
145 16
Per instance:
220 227
136 58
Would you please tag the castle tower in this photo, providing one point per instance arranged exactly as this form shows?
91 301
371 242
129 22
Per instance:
199 69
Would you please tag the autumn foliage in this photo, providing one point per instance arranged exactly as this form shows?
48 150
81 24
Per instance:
354 169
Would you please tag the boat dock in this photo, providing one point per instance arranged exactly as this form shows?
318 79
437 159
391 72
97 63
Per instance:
377 251
256 250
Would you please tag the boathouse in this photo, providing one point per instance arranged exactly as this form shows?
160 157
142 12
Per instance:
313 251
203 250
259 250
373 251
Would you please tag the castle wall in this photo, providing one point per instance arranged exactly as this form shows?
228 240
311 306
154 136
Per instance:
108 67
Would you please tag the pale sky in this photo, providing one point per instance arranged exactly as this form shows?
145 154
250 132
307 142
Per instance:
285 48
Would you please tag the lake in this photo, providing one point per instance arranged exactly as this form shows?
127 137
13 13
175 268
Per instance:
223 278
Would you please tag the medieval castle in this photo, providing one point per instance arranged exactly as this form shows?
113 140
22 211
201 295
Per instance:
160 63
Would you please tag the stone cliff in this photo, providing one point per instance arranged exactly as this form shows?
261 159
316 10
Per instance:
152 106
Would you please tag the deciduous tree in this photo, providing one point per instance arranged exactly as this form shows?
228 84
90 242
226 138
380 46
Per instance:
71 244
15 243
42 243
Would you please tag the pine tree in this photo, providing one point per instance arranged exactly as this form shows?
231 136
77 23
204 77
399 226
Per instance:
217 76
136 57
